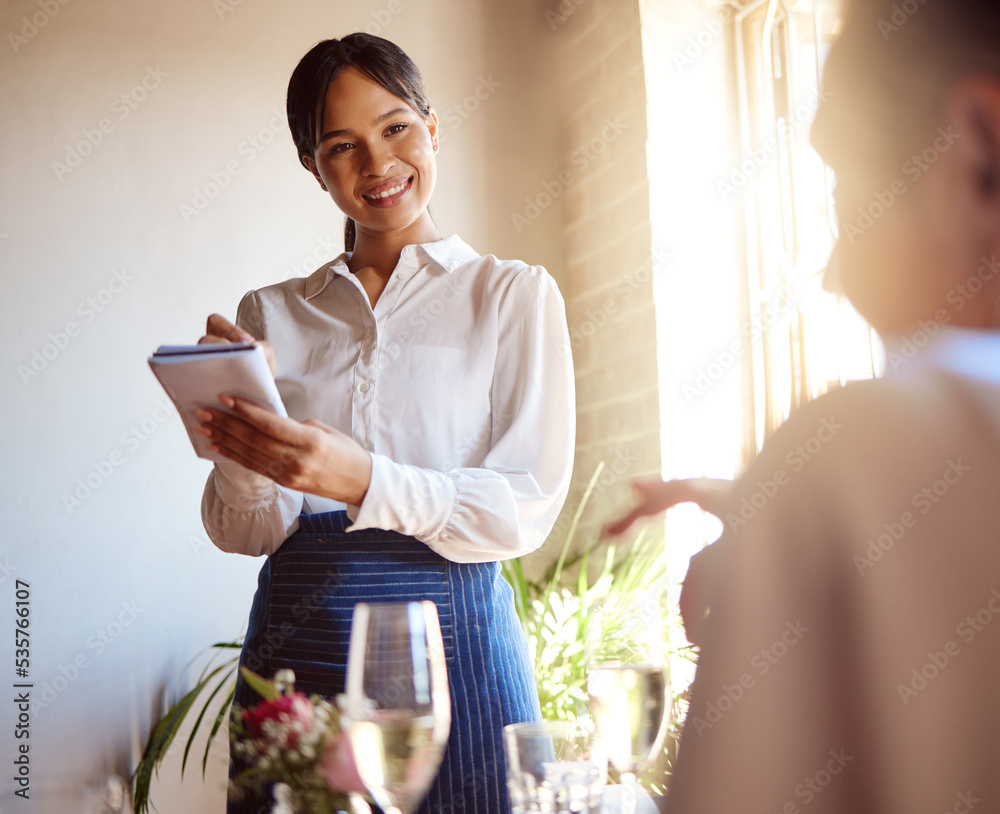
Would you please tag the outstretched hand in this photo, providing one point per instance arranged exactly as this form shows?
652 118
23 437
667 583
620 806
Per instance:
308 456
656 496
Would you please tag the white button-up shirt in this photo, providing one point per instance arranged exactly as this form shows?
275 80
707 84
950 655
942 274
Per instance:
459 383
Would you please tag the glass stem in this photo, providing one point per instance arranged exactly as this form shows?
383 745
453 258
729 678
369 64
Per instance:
630 792
358 804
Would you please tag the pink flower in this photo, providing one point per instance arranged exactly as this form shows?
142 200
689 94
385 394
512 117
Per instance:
286 712
338 765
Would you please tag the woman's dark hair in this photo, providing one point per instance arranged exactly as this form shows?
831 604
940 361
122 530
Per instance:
380 60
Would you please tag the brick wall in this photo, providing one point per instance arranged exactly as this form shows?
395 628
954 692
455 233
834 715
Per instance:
605 201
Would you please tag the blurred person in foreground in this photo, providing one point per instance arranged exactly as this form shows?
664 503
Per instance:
849 662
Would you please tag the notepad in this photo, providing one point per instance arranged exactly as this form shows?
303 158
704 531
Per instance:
195 375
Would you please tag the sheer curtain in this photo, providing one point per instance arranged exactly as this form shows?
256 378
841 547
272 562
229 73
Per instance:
806 340
741 205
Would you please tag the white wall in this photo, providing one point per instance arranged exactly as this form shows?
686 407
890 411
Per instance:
100 264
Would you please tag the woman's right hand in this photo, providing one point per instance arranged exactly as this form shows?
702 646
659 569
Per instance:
656 496
220 330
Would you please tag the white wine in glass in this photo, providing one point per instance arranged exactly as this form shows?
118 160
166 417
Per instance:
627 684
398 705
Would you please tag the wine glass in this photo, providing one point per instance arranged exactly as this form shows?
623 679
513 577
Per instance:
628 684
398 706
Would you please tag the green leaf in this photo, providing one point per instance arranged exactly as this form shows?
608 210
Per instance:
264 688
159 743
222 682
609 564
236 644
584 578
162 736
223 714
574 524
513 572
555 614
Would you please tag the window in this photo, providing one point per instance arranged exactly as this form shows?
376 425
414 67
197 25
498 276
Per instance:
805 340
742 207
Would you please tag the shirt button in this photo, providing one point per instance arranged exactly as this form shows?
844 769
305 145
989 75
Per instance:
364 387
409 251
404 277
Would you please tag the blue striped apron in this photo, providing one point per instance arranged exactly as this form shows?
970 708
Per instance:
301 619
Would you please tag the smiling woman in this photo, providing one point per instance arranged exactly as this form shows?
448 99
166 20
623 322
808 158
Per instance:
380 168
431 435
364 78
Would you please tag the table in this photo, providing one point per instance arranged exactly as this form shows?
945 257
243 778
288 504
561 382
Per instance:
612 802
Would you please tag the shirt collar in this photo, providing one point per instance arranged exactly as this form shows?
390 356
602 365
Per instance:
968 352
448 254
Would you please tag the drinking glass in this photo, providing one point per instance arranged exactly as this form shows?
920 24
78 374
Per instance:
398 706
554 766
628 684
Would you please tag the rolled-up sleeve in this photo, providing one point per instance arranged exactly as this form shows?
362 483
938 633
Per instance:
507 506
